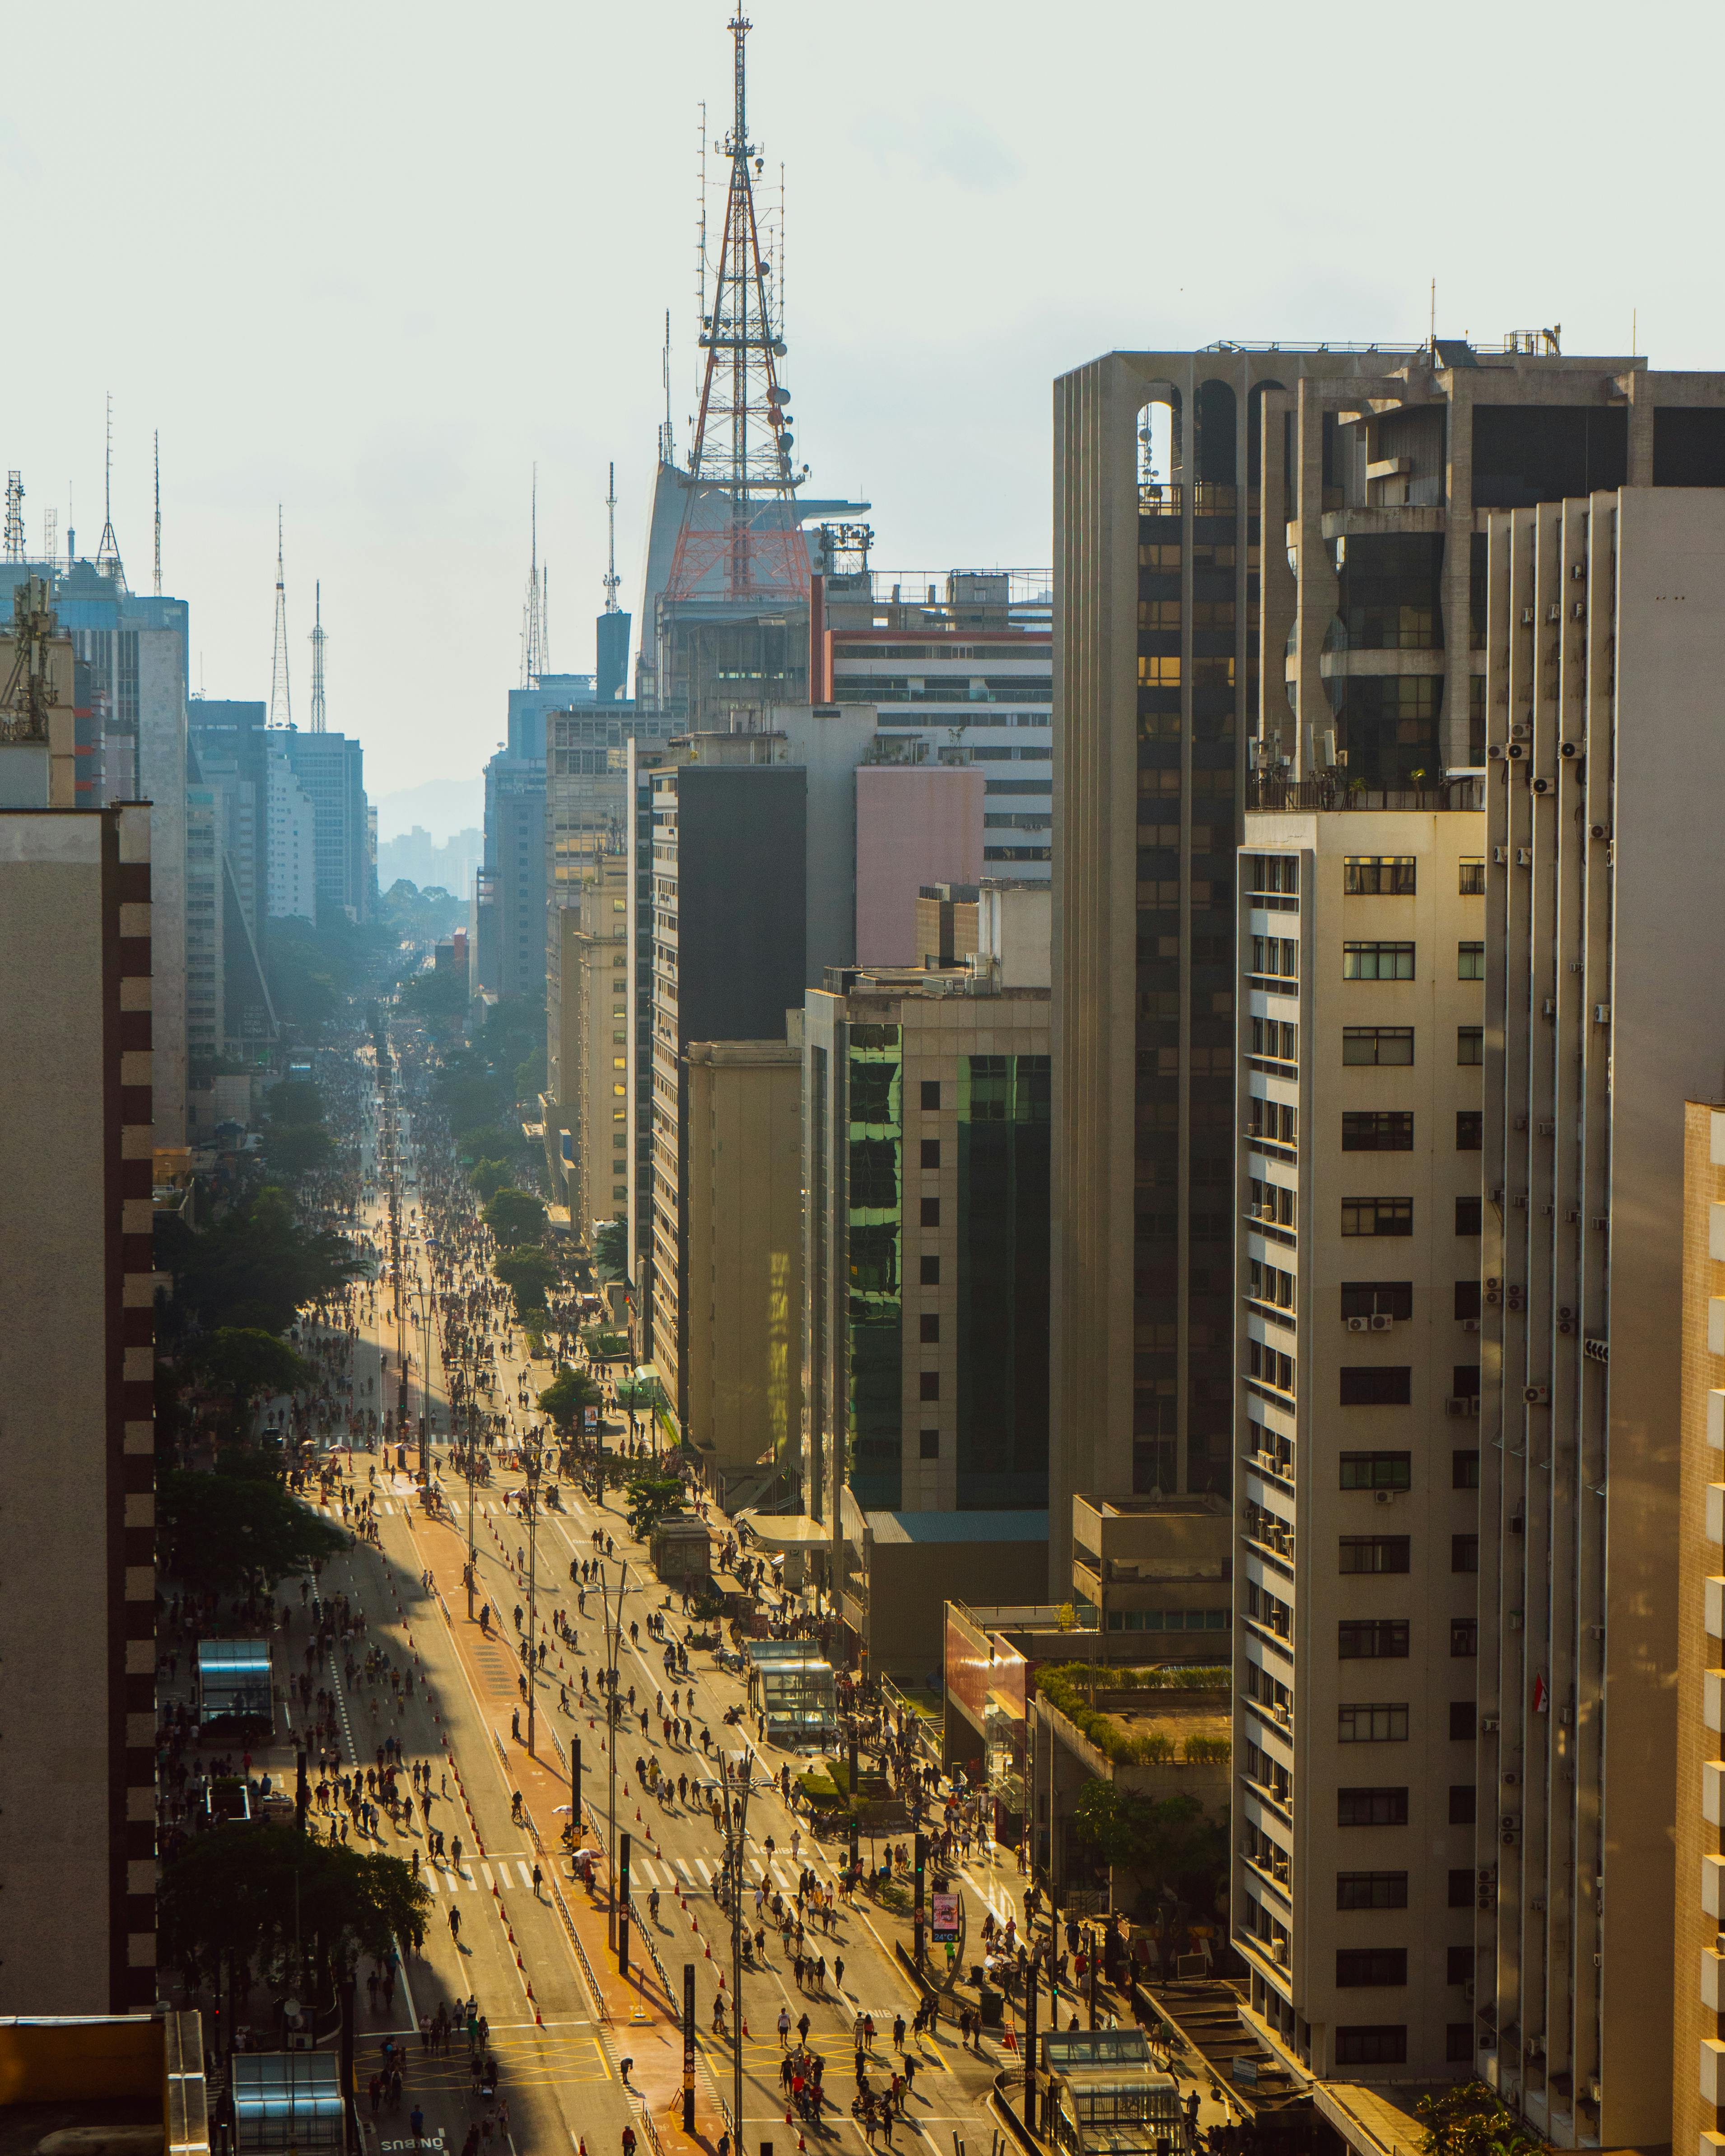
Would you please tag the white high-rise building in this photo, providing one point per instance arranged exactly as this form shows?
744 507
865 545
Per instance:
292 842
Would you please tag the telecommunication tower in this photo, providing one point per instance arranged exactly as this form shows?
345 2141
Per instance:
319 639
281 708
107 557
158 515
611 578
740 538
14 517
536 658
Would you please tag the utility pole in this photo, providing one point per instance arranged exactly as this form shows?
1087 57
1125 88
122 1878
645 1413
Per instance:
736 1781
613 1641
532 1463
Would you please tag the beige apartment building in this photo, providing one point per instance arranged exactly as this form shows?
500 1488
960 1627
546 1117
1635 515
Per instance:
1604 645
1698 2062
743 1209
1357 1347
586 1096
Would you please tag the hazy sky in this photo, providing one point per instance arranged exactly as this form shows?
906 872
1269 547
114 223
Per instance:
374 261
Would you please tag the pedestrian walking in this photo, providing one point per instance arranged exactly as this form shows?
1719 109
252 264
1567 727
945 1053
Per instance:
784 2025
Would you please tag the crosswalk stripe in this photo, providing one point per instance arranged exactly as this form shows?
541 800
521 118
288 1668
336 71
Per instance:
485 1870
527 1873
429 1875
683 1867
706 1877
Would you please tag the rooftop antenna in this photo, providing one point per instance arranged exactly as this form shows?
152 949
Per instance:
157 437
533 662
612 578
667 454
51 536
281 708
319 724
14 517
1433 315
107 557
740 536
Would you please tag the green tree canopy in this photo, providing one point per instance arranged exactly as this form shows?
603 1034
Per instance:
295 1151
651 1498
489 1177
295 1100
1472 2120
567 1395
248 1364
528 1275
254 1267
241 1893
440 997
233 1532
610 1249
515 1217
1167 1841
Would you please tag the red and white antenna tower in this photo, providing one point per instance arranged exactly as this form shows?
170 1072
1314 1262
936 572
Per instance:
740 538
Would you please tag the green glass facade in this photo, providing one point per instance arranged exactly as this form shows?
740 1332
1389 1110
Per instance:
875 1224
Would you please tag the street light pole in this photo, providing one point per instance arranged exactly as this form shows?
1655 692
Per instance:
614 1642
467 1376
531 1463
737 1779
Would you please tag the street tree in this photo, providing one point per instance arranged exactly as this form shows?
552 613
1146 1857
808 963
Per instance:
610 1249
1164 1842
254 1267
228 1532
235 1900
515 1217
1472 2120
528 1275
651 1498
246 1364
565 1398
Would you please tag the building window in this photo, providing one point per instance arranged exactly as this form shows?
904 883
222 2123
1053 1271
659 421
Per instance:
1470 1044
1373 1725
1469 1130
929 1384
931 1444
931 1152
1377 876
1266 1283
1377 1130
1473 875
931 1097
1458 2039
931 1323
1274 1039
1464 1551
1377 1385
1467 1216
1379 1045
1376 1471
1469 962
1463 1803
1464 1638
1371 1890
1371 2044
1377 1299
1372 1807
931 1213
1463 1720
1276 958
1269 1365
1379 1216
1467 1298
1462 1887
930 1276
1371 1638
1374 1554
1278 873
1377 961
1464 1471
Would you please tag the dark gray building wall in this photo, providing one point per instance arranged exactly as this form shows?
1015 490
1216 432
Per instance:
741 864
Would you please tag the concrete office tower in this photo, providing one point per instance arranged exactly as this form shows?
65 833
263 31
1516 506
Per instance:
925 1338
742 1170
586 1102
916 825
77 1399
1224 518
228 754
586 821
206 1031
290 839
511 957
331 770
1356 1346
1605 637
1698 2059
752 846
960 672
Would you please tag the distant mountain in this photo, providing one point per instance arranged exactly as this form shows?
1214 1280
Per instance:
442 806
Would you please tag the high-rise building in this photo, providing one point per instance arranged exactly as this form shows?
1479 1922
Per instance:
752 861
585 1103
916 824
1698 1959
1604 634
1303 520
77 1398
1361 926
205 1027
924 1331
512 959
290 839
331 770
960 672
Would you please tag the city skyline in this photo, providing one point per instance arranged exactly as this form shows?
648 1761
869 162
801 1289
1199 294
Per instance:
339 375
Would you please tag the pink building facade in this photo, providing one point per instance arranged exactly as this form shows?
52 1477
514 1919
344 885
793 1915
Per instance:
916 825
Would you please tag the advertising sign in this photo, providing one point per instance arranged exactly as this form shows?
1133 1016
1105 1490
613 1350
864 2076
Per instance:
944 1928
